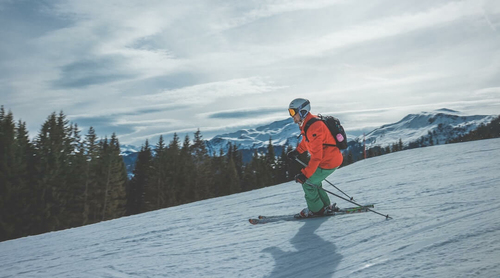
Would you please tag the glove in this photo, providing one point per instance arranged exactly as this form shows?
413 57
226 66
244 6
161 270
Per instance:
292 155
300 178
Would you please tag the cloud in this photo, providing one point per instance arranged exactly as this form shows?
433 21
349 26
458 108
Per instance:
268 9
203 94
86 73
376 29
103 125
235 114
488 93
126 124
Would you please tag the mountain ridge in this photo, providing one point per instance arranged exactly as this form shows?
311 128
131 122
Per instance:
414 130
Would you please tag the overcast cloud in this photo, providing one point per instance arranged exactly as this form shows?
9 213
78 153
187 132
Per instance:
146 68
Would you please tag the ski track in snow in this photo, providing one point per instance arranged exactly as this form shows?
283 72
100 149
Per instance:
444 201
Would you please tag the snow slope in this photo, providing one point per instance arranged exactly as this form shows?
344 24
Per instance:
444 201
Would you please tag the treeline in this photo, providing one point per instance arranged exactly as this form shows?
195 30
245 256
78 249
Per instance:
62 179
356 153
491 130
59 179
177 173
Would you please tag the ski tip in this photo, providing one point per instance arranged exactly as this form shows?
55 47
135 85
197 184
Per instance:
253 221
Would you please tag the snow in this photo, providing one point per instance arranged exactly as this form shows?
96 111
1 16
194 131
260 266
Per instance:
444 201
445 124
128 149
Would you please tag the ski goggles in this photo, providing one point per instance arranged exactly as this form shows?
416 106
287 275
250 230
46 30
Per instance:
294 111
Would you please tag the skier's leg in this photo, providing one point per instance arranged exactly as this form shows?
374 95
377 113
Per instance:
316 198
317 178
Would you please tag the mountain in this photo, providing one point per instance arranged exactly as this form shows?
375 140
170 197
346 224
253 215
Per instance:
434 128
438 126
282 133
129 154
414 130
444 204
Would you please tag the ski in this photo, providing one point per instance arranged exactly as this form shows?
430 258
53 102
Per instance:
293 217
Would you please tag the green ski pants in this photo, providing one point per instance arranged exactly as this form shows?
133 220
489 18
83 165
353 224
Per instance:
316 198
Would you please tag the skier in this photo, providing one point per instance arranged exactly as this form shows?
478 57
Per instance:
325 158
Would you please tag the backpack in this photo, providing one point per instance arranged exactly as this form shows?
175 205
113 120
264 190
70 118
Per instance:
335 128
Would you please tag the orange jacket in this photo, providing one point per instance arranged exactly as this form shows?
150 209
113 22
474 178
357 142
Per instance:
323 156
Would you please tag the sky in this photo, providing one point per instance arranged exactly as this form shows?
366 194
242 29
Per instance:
145 69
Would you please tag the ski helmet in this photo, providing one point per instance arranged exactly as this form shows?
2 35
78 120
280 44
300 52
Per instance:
300 106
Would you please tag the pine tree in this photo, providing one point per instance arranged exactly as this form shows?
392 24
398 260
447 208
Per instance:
231 179
7 175
159 177
51 147
394 147
238 160
350 157
281 168
115 181
173 167
263 172
202 176
23 192
270 162
185 185
249 174
75 175
217 186
370 153
90 148
138 184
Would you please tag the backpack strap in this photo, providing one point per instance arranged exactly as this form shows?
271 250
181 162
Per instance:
308 124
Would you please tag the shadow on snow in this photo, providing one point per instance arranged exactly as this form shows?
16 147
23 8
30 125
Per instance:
315 257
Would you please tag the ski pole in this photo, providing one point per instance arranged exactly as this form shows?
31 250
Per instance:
319 187
303 164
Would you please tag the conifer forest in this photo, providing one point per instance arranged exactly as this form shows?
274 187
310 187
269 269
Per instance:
64 178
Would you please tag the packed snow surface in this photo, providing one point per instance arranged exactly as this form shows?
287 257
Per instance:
444 200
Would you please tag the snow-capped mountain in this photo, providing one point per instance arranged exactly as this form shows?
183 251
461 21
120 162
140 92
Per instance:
414 130
282 133
128 149
438 126
129 154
